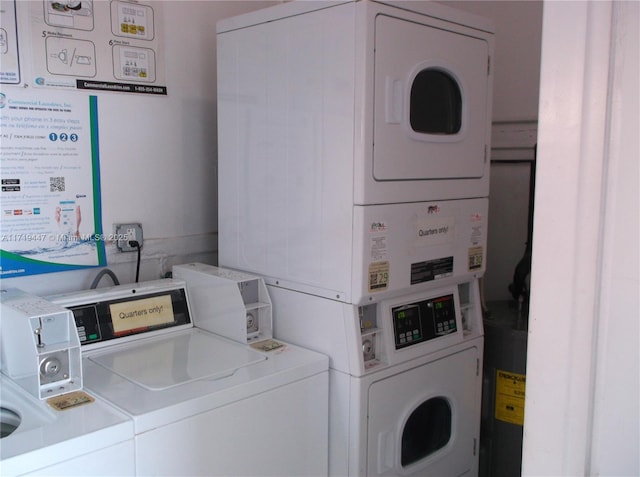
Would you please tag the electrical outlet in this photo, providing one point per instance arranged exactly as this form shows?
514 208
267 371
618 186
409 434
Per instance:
125 233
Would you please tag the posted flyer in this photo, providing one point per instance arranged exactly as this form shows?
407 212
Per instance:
50 178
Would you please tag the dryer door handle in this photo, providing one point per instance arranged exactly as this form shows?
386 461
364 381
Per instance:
385 451
394 107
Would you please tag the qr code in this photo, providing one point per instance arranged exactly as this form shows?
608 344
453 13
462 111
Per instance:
56 184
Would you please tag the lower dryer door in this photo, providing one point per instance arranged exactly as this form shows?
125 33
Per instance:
426 420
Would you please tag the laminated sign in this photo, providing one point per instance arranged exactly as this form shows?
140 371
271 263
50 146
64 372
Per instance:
510 394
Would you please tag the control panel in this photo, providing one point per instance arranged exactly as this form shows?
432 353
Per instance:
409 326
420 321
103 320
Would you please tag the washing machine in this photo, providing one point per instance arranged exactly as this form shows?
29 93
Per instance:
201 404
88 439
50 424
340 125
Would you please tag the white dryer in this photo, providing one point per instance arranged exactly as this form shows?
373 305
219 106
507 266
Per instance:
201 404
405 378
341 123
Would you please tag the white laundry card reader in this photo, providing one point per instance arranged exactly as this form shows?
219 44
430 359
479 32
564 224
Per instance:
40 344
228 302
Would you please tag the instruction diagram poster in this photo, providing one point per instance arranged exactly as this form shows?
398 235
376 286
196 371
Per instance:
50 179
9 58
95 45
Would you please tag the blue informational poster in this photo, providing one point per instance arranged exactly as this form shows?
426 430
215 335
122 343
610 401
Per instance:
50 178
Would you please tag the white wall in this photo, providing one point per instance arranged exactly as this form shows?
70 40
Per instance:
617 372
158 155
583 370
518 26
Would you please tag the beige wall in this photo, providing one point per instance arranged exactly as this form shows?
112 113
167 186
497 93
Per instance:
518 26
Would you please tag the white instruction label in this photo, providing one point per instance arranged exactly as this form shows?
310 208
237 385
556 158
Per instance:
378 247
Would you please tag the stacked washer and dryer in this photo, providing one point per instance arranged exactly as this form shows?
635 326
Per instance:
354 177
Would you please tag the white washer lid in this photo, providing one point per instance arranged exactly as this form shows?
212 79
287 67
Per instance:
180 358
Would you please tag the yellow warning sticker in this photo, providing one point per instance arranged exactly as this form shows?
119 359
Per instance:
510 395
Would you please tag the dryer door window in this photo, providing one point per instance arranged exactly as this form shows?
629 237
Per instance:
427 430
431 102
435 103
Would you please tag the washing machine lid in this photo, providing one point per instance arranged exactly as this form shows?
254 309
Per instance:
168 378
179 358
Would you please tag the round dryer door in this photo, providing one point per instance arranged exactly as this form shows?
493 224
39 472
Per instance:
427 430
426 420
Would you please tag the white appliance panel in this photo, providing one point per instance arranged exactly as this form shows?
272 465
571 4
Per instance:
234 440
284 110
113 461
391 402
338 329
402 248
392 249
400 151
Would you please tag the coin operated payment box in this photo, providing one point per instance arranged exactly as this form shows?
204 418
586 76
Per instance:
40 344
228 302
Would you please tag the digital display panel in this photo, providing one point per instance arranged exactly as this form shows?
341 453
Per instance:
423 320
407 324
